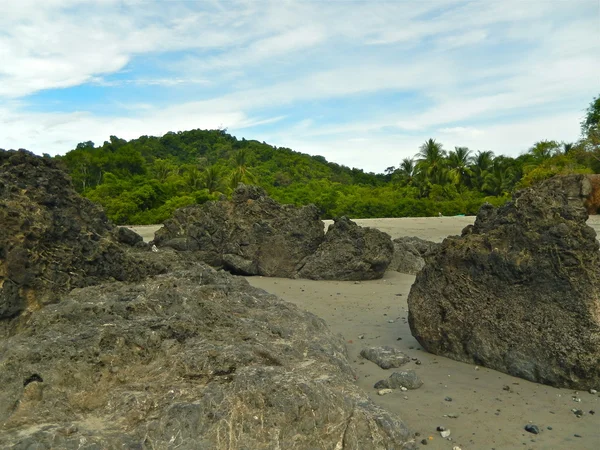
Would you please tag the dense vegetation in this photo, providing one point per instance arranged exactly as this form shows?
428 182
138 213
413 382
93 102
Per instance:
144 180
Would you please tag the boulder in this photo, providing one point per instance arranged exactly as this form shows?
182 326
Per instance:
349 252
409 253
51 239
385 357
191 359
581 189
518 292
250 235
128 237
408 379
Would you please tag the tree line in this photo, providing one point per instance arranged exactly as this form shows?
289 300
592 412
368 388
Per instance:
144 180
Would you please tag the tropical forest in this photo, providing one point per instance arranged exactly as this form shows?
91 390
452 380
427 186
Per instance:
142 181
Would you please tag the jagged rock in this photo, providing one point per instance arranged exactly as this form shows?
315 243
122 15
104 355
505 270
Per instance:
579 189
349 252
406 379
409 254
518 292
385 357
250 235
51 239
192 359
127 236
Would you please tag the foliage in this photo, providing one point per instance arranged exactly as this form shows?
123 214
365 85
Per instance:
144 180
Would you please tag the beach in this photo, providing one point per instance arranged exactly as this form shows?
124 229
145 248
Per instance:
483 408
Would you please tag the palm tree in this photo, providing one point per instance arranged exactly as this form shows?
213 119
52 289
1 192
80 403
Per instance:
432 161
498 180
543 150
240 173
458 163
481 164
213 181
407 171
193 178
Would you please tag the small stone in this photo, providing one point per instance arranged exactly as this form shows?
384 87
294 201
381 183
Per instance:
532 429
549 427
403 389
441 428
451 416
418 363
445 433
424 441
456 447
592 412
384 391
506 388
576 399
577 412
361 336
391 321
593 391
448 399
577 435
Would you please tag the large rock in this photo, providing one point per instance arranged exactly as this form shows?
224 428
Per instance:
250 235
51 239
196 359
409 253
349 252
579 189
519 292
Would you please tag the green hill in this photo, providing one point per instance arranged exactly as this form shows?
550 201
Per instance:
144 180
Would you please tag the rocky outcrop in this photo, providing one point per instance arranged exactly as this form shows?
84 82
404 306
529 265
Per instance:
349 252
51 239
579 189
250 235
518 292
409 253
192 359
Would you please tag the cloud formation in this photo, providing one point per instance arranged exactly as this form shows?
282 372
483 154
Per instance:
362 83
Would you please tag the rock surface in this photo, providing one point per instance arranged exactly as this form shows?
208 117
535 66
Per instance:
518 292
579 189
385 357
51 239
191 359
408 379
349 252
409 254
250 235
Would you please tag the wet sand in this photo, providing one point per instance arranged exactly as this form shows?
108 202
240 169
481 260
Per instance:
489 416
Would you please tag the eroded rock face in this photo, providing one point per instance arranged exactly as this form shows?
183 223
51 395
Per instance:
349 252
51 239
409 254
193 359
250 235
579 189
518 292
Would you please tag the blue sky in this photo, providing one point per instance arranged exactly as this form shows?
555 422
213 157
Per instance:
362 83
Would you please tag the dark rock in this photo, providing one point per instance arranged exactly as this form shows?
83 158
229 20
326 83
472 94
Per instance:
532 429
517 292
385 357
349 252
51 239
250 235
409 254
190 360
127 236
407 379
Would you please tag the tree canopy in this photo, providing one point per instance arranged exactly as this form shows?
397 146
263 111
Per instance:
144 180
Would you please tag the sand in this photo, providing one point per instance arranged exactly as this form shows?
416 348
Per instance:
489 417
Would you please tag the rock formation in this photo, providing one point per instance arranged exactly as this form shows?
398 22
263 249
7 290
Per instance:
579 189
51 239
250 235
518 292
349 252
409 253
190 359
254 235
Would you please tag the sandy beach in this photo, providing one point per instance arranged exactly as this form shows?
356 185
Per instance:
489 409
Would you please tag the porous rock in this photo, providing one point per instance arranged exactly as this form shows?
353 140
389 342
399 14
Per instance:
385 357
349 252
250 235
409 254
51 239
518 292
191 359
408 379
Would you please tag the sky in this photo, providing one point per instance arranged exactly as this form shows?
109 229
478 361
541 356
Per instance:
362 83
